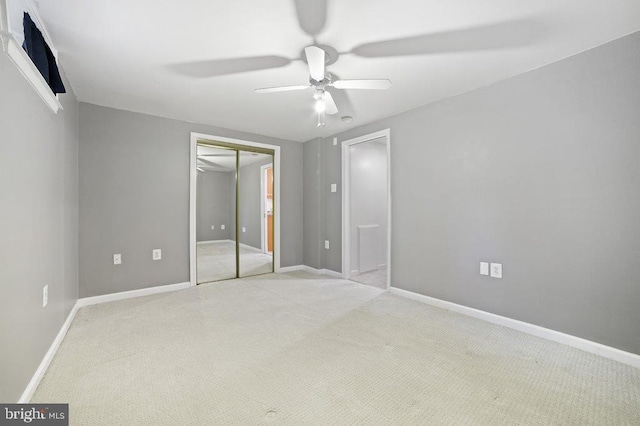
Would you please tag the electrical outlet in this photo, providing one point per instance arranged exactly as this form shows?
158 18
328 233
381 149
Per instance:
334 187
45 295
326 244
484 268
117 259
156 254
496 270
244 229
213 227
222 227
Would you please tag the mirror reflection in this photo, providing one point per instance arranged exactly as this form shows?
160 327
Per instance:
256 210
215 214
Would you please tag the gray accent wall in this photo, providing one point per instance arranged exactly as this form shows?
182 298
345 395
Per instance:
538 172
134 197
215 201
38 224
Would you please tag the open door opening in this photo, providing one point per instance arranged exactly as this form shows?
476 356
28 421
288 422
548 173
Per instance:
366 233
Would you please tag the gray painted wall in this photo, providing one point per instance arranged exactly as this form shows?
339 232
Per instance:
232 224
313 225
538 172
38 224
332 201
215 197
250 213
134 197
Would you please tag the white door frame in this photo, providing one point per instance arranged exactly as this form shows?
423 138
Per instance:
263 197
193 178
346 197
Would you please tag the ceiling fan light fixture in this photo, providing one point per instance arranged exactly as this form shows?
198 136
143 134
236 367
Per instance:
320 80
320 106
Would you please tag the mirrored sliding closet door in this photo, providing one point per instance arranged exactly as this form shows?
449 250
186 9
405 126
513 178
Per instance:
235 211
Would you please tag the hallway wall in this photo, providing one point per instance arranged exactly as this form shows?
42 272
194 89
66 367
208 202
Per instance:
368 180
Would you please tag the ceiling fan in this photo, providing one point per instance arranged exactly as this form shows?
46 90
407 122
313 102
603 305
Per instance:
320 79
312 17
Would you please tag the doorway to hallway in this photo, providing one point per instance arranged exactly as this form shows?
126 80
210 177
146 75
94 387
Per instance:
366 205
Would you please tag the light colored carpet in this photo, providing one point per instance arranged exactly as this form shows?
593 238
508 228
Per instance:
377 278
217 261
300 349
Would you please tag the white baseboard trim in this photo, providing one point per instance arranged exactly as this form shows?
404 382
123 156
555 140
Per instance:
112 297
214 241
309 269
525 327
87 301
252 248
327 272
246 246
289 269
48 357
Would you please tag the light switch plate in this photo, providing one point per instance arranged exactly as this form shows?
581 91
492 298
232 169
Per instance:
213 227
496 270
45 295
117 259
335 141
244 229
157 254
222 227
326 244
484 268
334 187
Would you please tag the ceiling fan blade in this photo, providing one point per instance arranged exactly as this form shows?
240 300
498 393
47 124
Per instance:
217 67
330 105
312 15
502 35
341 97
377 84
282 88
315 59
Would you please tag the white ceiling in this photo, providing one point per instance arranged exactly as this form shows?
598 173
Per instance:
224 160
150 56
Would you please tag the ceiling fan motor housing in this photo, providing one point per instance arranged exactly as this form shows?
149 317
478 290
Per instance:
322 84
